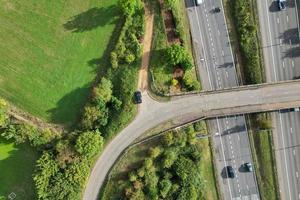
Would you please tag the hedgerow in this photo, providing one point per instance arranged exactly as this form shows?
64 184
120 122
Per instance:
247 35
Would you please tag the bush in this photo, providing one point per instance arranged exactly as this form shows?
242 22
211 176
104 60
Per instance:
246 29
89 143
177 55
114 60
3 114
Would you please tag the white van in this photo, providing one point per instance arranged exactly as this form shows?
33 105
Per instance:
198 2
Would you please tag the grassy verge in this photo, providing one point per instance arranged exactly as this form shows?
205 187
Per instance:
51 53
134 157
264 160
17 165
245 26
160 71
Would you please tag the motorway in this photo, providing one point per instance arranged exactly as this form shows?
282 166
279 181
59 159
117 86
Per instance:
280 43
205 104
217 70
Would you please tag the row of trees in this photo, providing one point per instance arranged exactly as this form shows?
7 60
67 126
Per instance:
171 170
247 33
128 47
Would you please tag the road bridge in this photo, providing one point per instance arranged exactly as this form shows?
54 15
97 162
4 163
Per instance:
245 99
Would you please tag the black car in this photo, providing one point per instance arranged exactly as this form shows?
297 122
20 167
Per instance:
230 172
217 10
248 167
281 4
138 97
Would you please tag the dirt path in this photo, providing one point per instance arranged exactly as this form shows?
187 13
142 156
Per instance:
21 116
143 73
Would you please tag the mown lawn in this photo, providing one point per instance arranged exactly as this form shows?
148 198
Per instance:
51 52
16 166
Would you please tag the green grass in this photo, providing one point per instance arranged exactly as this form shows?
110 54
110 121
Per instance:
51 52
17 165
207 170
265 165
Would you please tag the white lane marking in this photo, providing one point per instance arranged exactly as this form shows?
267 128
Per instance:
293 64
294 152
247 187
204 54
226 74
285 160
287 18
272 53
238 137
224 156
299 196
283 64
297 175
277 20
230 142
291 129
227 33
223 53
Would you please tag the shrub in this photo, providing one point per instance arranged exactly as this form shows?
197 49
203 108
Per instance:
177 55
130 58
89 143
114 60
3 114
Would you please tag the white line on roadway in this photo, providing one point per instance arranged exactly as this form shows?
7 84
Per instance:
272 53
205 60
224 157
284 153
277 20
287 18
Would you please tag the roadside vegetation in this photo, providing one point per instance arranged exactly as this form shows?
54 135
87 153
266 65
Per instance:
66 157
264 156
171 33
175 165
246 28
52 52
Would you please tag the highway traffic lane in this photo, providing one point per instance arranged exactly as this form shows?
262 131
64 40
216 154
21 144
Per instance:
283 32
221 71
209 39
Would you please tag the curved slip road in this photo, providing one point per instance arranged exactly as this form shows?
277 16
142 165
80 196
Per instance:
210 104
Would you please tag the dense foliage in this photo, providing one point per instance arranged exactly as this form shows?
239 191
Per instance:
3 114
171 171
247 33
178 55
64 166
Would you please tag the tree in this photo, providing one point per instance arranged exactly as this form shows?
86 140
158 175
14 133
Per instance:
177 55
130 58
103 91
127 6
89 143
165 186
94 117
154 152
168 138
170 156
46 168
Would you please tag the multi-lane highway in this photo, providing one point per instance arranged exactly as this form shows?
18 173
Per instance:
217 70
281 48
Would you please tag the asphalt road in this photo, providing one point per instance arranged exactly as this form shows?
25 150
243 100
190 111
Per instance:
217 70
152 113
280 38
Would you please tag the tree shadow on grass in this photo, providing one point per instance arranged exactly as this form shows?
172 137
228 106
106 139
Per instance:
68 109
16 171
92 19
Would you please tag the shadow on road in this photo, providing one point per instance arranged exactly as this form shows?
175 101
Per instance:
292 52
274 7
190 3
290 36
235 129
226 65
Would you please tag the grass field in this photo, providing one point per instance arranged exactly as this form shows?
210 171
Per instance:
16 165
51 51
